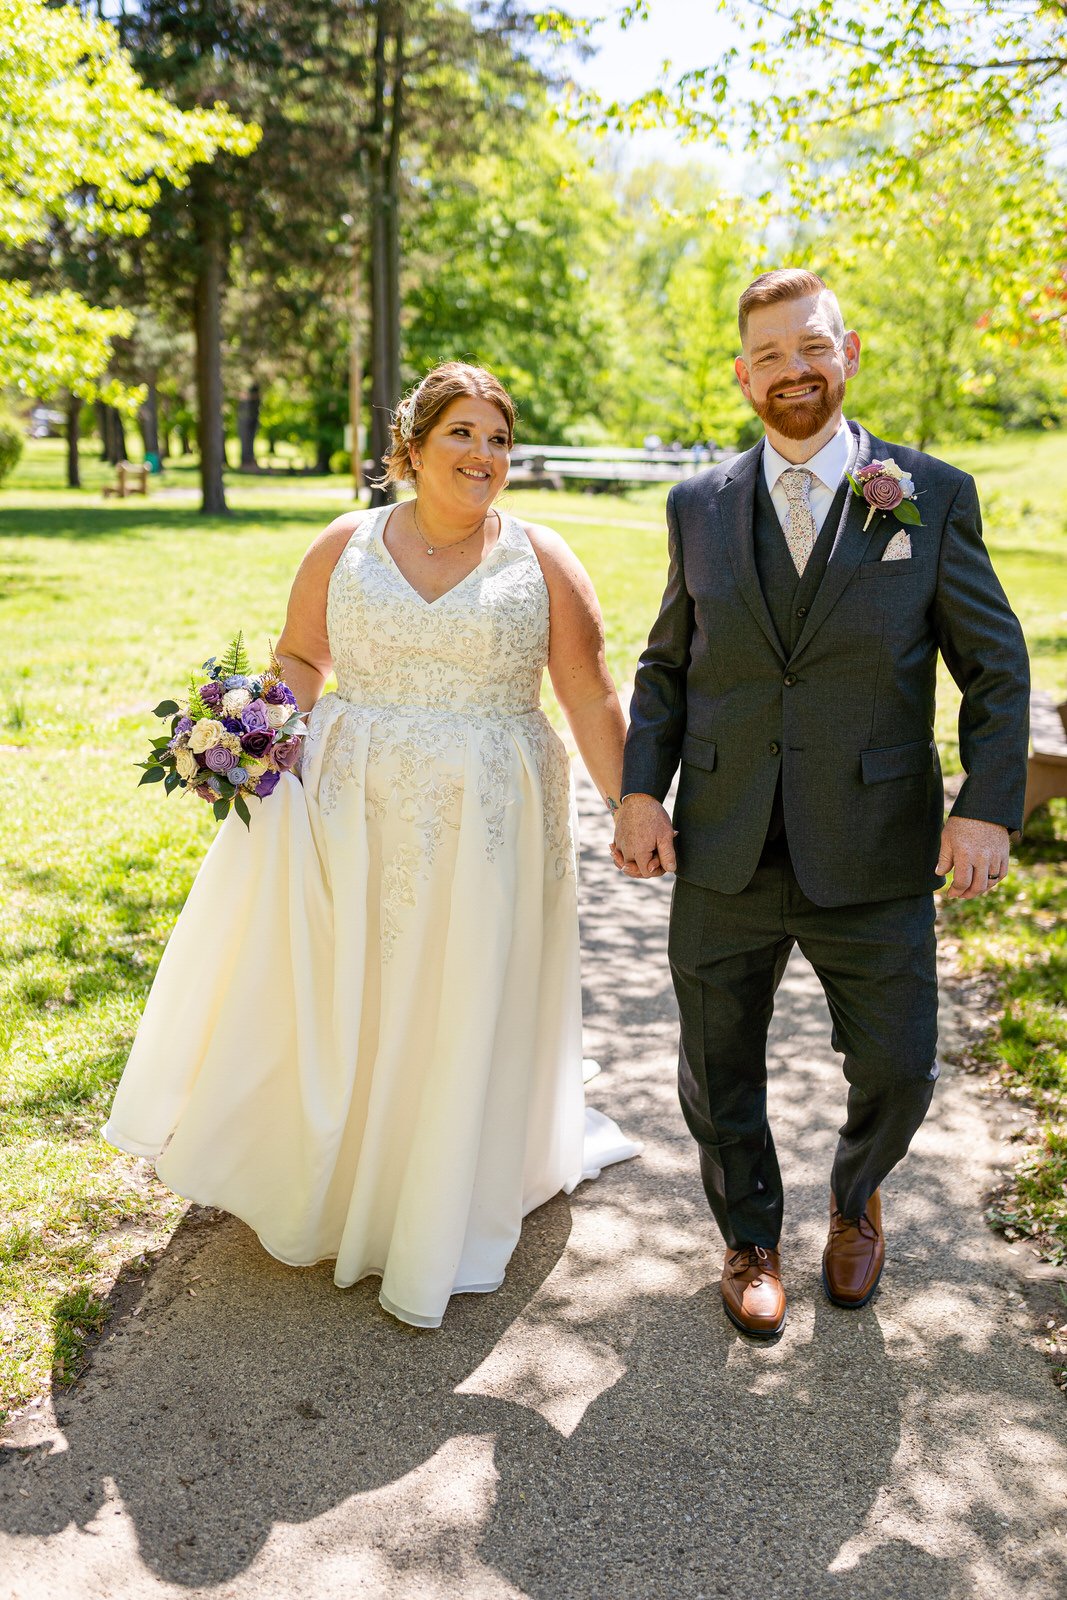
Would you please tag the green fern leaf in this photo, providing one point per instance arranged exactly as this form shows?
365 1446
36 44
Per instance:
197 708
235 662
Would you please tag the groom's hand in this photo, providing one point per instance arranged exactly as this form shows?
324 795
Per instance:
644 838
977 855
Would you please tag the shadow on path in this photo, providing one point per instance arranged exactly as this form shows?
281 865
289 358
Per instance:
595 1430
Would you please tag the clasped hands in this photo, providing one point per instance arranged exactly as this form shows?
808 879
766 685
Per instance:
976 853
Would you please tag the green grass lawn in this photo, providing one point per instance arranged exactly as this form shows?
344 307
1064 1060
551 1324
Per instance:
104 609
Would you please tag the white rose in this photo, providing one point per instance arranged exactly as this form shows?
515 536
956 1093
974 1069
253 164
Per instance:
204 735
277 716
255 769
186 765
891 469
234 702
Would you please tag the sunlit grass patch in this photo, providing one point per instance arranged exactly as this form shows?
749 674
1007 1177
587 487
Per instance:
1019 938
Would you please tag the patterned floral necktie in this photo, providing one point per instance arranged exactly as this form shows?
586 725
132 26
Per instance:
801 533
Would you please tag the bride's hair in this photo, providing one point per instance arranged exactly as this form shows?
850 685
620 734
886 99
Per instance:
423 405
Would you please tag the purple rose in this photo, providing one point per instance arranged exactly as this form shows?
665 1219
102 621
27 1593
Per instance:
200 758
871 470
237 776
233 725
205 791
258 743
267 784
238 681
183 725
286 754
254 718
210 694
219 759
279 694
884 494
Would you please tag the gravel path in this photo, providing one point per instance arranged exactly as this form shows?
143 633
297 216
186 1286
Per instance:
595 1430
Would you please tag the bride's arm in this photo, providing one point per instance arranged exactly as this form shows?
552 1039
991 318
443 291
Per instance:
303 649
576 663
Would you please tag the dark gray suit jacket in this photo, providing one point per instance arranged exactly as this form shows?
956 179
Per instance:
848 717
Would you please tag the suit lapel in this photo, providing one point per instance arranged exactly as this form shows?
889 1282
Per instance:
850 545
735 505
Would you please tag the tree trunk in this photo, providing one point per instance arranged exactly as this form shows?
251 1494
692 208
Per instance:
74 408
148 420
101 428
116 437
385 384
355 369
207 318
392 209
248 426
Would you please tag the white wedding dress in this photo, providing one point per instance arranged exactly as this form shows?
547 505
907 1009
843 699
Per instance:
364 1038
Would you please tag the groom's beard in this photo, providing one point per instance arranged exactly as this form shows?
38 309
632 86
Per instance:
794 421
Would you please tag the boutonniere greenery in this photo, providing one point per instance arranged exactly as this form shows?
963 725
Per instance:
886 488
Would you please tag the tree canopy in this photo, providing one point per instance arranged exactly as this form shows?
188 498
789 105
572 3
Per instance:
83 144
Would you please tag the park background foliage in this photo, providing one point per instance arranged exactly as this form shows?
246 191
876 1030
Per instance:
231 228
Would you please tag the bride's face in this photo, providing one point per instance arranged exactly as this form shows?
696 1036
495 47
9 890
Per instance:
465 456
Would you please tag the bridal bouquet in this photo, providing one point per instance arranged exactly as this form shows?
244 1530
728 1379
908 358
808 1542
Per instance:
238 732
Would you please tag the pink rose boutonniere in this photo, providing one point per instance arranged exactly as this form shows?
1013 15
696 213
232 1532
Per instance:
886 488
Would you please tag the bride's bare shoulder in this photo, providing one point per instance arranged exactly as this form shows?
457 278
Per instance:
324 551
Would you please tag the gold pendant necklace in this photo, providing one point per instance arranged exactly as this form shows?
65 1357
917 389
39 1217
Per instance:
432 549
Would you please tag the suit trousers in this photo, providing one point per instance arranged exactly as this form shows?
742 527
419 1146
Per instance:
876 964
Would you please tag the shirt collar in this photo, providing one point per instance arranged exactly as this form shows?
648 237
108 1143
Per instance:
828 464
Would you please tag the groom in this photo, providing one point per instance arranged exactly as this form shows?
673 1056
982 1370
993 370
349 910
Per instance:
790 674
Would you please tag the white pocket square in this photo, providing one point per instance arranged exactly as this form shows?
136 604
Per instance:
898 548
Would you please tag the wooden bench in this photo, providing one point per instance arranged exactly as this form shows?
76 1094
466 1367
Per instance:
1046 773
603 467
131 477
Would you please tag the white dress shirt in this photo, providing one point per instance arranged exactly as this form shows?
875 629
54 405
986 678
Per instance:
827 466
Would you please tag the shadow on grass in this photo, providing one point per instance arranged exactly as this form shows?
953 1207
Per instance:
1049 644
90 941
19 579
83 523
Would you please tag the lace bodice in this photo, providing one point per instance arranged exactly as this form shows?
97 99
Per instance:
480 648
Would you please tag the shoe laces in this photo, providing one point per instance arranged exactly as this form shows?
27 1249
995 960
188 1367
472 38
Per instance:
749 1256
861 1225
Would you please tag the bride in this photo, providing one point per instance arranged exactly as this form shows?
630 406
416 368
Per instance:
364 1038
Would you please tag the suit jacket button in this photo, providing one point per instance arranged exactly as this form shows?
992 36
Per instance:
802 611
774 747
789 679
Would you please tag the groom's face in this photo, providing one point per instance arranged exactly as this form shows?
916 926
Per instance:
795 362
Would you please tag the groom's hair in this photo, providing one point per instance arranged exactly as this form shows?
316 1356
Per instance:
785 283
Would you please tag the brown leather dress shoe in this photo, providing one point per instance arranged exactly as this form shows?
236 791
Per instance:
855 1254
752 1292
